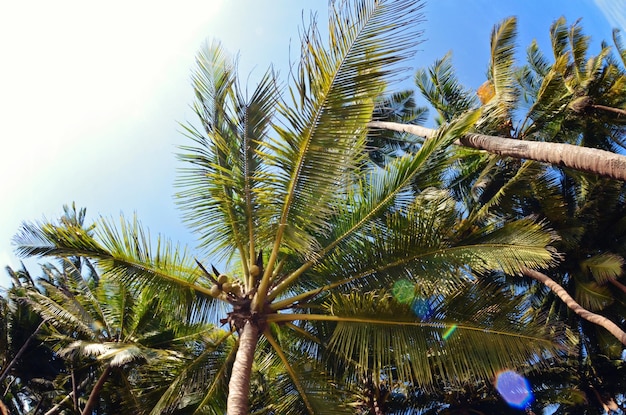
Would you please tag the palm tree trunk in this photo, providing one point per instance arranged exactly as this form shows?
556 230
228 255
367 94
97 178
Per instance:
20 352
57 408
618 111
591 160
239 385
619 285
74 390
602 321
95 392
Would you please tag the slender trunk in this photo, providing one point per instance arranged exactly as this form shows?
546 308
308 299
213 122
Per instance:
591 160
239 385
19 354
617 111
619 285
36 410
602 321
56 408
74 391
95 392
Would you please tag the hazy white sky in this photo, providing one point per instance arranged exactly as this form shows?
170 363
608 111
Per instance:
91 93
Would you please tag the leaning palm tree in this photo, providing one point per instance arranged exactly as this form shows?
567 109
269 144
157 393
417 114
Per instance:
303 231
573 91
585 211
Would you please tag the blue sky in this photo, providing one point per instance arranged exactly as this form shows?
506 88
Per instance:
91 93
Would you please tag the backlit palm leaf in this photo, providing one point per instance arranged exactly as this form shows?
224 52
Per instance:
222 183
127 253
498 111
441 87
381 336
334 95
200 380
604 267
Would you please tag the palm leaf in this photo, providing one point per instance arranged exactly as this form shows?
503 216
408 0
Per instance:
421 244
604 267
371 198
382 336
579 44
559 37
619 45
200 381
303 384
224 173
126 253
498 111
333 97
536 60
591 295
443 90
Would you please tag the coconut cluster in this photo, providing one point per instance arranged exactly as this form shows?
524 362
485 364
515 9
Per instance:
226 285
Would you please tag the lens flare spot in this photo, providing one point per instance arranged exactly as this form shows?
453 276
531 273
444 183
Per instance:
422 308
514 389
449 331
97 325
403 291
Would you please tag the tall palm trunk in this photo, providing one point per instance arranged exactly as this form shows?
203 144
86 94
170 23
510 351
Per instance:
239 385
591 160
57 408
601 321
95 392
19 354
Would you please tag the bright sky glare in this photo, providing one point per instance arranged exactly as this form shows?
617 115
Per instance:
91 94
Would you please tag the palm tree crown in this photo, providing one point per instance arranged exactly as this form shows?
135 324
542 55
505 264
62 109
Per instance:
280 191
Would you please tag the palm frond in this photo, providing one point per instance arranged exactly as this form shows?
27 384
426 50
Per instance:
60 310
604 267
521 178
333 96
127 253
559 37
383 190
522 243
536 60
289 380
549 103
498 111
579 44
443 90
224 175
424 243
591 295
619 45
200 380
383 337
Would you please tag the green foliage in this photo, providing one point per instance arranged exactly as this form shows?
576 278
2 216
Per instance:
313 227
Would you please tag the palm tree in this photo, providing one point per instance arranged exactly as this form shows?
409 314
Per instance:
574 91
585 211
105 333
28 367
101 330
282 194
481 180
